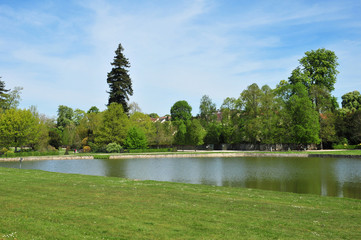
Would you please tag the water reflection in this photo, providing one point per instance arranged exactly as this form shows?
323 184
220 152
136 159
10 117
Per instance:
323 176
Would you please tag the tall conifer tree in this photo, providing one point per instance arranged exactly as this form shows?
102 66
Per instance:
119 80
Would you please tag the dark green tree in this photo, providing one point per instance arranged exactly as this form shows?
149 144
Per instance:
3 92
181 110
119 80
305 126
195 133
351 101
317 72
93 109
65 116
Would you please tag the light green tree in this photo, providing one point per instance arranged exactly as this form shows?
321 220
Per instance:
135 139
207 111
195 133
144 123
65 116
18 128
114 127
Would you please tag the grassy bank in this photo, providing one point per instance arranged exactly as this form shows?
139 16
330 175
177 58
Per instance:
42 205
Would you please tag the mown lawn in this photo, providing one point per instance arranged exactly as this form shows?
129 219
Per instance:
42 205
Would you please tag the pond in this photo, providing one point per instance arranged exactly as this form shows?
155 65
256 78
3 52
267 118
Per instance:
339 177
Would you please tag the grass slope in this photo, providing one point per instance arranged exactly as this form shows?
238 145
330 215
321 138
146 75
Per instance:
41 205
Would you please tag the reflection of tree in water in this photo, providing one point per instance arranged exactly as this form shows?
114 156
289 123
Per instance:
114 167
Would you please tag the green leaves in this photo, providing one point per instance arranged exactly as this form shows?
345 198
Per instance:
119 81
18 128
136 139
181 110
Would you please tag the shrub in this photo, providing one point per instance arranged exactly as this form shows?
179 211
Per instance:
86 149
3 151
114 148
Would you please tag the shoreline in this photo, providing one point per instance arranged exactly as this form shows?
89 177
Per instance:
179 155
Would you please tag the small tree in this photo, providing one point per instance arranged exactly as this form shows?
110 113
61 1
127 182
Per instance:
18 128
114 148
208 111
3 92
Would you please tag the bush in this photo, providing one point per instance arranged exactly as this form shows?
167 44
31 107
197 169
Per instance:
114 148
344 146
86 149
101 156
3 151
150 150
97 148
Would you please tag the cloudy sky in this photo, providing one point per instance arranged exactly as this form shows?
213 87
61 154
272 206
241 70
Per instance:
60 51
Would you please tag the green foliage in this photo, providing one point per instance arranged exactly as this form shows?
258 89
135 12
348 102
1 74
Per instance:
195 133
65 116
181 110
18 128
304 119
78 116
163 133
55 137
10 154
208 110
213 133
251 98
102 156
351 101
145 124
114 148
136 139
180 136
114 126
317 72
119 81
148 150
3 92
153 115
12 99
93 109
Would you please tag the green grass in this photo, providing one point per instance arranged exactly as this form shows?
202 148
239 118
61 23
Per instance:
334 152
42 205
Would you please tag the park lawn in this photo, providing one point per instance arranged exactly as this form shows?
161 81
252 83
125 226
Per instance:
41 205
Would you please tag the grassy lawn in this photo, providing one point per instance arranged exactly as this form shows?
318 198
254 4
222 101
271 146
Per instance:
41 205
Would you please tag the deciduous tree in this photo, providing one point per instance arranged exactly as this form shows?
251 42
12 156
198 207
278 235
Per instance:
18 128
114 127
136 139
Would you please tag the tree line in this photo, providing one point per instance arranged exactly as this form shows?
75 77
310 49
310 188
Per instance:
299 110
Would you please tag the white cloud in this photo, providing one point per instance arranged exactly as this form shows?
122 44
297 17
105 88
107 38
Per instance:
178 50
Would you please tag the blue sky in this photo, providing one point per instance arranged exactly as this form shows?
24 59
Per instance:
60 51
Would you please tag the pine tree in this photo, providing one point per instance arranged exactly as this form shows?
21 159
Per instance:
3 95
119 80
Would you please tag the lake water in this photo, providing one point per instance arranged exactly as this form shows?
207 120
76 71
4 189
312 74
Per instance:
339 177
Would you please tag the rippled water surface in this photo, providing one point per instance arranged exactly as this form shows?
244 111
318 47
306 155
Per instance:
339 177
